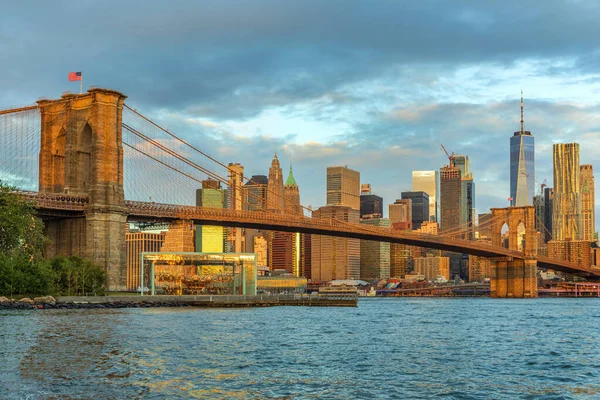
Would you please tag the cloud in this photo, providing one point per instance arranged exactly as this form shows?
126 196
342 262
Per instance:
376 85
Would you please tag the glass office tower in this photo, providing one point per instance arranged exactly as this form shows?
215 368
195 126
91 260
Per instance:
522 166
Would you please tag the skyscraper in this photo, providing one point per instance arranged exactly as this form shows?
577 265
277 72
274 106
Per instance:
450 198
374 256
335 257
293 207
567 222
255 193
587 202
522 165
400 214
235 197
371 206
275 196
210 239
343 187
419 207
427 181
281 244
467 194
548 209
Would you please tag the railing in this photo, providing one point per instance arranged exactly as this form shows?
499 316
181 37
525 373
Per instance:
326 225
56 201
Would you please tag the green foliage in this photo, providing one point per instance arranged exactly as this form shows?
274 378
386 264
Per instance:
22 269
76 276
21 231
58 276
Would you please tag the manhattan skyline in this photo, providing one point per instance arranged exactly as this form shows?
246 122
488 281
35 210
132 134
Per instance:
378 100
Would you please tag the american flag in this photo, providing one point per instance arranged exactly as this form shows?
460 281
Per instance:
74 76
510 199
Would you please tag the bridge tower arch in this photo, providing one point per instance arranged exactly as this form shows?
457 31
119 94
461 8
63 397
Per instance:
81 153
515 277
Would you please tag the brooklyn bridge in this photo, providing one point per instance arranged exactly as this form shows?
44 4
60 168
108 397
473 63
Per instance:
91 164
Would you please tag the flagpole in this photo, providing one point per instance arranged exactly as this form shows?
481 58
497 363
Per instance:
81 84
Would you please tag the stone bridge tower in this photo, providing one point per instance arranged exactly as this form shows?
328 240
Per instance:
515 277
81 153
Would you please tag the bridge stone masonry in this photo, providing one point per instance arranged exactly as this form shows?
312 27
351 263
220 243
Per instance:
514 277
81 199
81 154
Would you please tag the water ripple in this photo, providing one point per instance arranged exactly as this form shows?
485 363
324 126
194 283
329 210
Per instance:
386 348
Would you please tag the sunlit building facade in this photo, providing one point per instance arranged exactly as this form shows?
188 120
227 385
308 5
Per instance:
428 182
432 267
587 202
335 257
343 187
235 201
450 198
210 239
522 166
567 221
374 256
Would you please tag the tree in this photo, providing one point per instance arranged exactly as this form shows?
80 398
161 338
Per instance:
21 231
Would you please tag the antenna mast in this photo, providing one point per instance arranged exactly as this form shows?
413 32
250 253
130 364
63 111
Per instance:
522 130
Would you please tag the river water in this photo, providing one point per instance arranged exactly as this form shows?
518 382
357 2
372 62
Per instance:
418 348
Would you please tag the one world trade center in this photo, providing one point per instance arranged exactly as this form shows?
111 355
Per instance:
522 166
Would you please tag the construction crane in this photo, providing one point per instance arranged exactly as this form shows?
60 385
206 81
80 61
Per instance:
542 185
450 156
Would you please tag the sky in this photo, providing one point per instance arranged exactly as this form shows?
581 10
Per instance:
375 85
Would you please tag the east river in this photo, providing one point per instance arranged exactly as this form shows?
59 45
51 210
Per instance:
418 348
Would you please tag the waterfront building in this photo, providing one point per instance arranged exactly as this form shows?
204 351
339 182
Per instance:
210 239
260 248
576 251
480 268
335 257
587 202
189 273
343 187
137 243
567 221
428 181
419 207
374 256
400 260
432 267
522 165
450 198
235 201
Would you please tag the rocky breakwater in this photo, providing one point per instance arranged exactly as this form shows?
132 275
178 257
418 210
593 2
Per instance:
49 302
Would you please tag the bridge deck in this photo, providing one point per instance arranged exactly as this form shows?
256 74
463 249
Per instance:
144 211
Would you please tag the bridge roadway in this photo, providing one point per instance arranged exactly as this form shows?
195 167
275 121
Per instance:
56 205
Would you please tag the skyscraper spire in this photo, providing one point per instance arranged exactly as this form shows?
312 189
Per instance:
522 130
